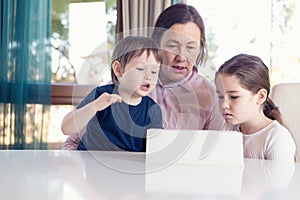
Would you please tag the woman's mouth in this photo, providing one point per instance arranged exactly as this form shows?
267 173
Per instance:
179 69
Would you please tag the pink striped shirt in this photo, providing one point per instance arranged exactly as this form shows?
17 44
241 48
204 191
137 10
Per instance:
189 104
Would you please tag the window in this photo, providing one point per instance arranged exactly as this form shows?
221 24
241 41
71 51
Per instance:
268 29
82 40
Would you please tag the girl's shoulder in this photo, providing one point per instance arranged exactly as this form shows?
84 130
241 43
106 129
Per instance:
276 130
276 127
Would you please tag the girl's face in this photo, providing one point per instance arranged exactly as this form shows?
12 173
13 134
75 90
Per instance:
180 45
140 75
237 104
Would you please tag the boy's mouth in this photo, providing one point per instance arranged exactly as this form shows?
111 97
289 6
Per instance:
146 85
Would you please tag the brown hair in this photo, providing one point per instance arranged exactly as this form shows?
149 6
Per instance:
181 13
131 47
253 75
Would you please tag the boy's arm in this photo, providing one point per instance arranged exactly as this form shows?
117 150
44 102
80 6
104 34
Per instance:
77 119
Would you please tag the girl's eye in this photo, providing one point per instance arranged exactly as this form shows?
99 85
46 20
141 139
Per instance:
234 97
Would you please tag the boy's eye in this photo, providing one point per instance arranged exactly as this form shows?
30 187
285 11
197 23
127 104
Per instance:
154 72
140 69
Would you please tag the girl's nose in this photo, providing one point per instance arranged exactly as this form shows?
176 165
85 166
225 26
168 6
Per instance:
225 105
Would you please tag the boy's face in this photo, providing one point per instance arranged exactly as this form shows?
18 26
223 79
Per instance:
140 75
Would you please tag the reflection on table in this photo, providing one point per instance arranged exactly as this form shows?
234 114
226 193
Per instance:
55 175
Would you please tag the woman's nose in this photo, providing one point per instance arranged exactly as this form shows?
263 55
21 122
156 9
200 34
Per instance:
180 56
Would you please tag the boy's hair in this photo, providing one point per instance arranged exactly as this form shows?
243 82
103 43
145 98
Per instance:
131 47
253 75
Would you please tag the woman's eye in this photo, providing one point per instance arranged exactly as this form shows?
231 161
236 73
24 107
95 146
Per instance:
191 47
220 97
172 46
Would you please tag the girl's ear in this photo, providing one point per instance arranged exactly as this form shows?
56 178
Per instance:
262 95
116 67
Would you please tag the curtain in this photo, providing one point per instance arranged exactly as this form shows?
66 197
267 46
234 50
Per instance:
25 73
136 16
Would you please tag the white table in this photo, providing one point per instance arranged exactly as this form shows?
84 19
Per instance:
56 175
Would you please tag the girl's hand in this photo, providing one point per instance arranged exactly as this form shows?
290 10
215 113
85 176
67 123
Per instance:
106 100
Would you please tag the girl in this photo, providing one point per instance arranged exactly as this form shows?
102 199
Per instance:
243 87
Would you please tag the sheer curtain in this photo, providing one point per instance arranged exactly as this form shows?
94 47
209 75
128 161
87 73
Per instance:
135 16
25 73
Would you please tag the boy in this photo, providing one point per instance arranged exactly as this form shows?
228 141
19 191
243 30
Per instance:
117 116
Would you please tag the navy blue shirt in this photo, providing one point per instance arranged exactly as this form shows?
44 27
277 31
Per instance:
119 126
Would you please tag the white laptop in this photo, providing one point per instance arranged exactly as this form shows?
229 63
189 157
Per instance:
166 147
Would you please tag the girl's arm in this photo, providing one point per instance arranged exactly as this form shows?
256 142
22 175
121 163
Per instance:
77 119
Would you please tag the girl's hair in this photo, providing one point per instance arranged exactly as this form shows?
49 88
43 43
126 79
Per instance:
131 47
253 75
181 13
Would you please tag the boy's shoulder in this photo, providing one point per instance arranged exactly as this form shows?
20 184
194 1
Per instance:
148 99
150 103
109 88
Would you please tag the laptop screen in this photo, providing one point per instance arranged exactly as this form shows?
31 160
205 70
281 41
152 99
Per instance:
167 147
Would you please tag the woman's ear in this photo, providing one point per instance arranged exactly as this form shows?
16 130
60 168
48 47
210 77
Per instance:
116 67
262 95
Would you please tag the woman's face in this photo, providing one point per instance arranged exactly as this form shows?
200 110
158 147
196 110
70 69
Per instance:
180 45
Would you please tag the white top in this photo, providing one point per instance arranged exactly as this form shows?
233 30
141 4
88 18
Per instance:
274 142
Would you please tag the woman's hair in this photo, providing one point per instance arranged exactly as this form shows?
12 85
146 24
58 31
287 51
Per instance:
131 47
181 13
253 75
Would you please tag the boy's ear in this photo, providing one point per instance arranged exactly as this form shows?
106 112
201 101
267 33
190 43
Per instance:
116 67
262 95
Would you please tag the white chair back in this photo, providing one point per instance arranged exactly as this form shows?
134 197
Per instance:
287 97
